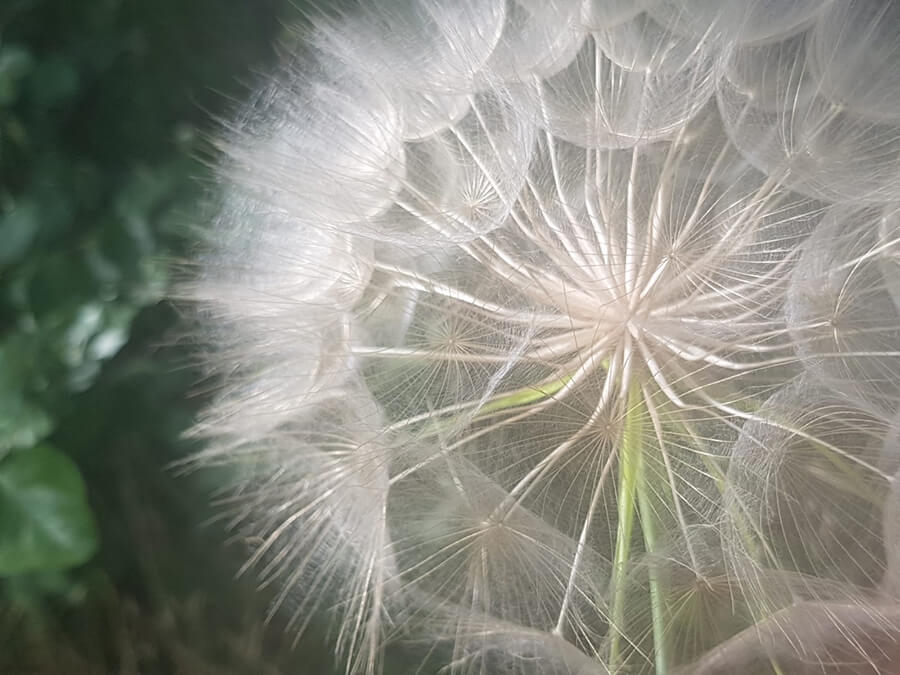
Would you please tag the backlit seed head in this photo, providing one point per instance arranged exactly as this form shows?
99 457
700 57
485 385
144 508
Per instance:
565 337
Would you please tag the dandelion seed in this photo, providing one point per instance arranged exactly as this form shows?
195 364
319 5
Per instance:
565 337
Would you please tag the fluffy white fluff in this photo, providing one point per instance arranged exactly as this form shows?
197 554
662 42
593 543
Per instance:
564 337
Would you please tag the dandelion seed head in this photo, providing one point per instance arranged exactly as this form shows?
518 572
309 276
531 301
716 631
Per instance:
553 334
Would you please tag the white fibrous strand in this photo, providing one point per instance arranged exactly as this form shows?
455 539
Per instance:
564 337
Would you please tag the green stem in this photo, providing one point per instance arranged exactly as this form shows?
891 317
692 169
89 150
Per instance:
648 528
634 496
524 396
629 477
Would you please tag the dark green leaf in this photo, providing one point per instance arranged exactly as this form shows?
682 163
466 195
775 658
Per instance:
45 520
22 422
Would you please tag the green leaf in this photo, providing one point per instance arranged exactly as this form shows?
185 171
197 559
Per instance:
18 228
15 62
45 520
23 423
54 81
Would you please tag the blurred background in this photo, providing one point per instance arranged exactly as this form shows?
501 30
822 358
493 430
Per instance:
111 561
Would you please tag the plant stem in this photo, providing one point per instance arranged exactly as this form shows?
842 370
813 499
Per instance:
648 528
634 495
629 476
524 396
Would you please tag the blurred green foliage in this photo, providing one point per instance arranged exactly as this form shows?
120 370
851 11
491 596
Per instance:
99 106
100 103
45 522
105 553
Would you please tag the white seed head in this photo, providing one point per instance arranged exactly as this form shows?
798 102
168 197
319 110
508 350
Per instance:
565 336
